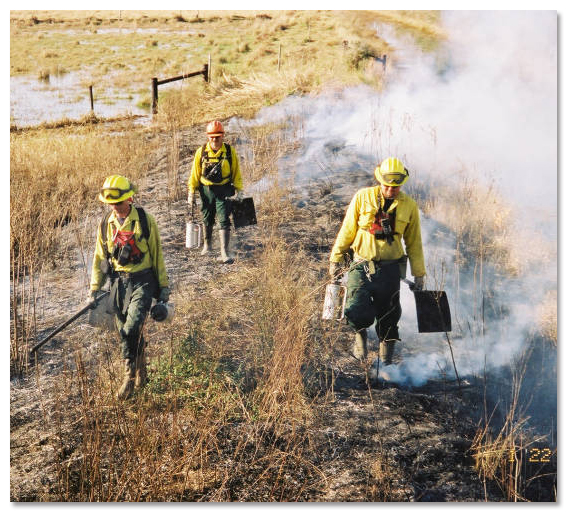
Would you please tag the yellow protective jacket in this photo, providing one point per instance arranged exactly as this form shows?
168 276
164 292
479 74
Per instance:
229 175
153 255
359 218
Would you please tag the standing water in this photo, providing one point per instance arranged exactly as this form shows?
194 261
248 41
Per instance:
33 101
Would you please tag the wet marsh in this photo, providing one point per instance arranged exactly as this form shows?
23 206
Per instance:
119 52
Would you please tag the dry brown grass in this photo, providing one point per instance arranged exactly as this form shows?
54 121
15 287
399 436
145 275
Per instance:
53 175
231 96
228 409
482 222
547 315
425 23
501 449
258 57
488 238
226 413
499 458
225 416
383 475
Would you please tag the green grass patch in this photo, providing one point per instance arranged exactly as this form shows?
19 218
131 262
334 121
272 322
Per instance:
194 378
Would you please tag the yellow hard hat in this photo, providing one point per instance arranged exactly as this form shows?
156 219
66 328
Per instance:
116 189
391 172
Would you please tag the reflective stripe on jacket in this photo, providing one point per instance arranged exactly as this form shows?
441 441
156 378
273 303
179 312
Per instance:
151 249
228 175
359 218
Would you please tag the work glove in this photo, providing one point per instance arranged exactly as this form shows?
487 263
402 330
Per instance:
239 195
91 298
335 271
164 294
419 283
191 199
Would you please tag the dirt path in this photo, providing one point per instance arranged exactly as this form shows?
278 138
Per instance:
375 441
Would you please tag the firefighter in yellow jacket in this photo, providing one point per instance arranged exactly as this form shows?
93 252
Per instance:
128 252
216 175
376 221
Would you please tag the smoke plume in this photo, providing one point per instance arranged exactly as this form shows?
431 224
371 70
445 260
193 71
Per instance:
482 106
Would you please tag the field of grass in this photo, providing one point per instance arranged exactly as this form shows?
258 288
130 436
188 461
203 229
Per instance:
123 47
229 407
262 56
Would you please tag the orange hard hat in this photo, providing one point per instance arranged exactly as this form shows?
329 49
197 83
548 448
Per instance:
215 128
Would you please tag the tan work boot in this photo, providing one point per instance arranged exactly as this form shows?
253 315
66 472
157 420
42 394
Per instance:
226 256
387 351
127 387
141 371
208 241
359 349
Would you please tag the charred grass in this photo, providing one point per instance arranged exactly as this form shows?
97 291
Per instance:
243 380
243 402
225 416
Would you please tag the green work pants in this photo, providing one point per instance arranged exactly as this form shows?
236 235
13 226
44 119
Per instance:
374 297
214 201
133 306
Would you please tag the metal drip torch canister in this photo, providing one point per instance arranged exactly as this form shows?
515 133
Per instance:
334 305
193 231
193 235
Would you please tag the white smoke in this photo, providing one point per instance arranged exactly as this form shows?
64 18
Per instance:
483 105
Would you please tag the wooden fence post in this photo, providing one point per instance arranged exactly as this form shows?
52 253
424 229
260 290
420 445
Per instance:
92 98
154 95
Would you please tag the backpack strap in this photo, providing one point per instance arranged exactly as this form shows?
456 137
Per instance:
229 156
103 230
203 153
143 222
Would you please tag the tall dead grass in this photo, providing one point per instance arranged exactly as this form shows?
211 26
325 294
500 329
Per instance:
233 96
226 414
482 222
503 448
54 177
490 249
227 411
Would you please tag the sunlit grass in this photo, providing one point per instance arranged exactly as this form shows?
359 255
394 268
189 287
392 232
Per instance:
119 47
